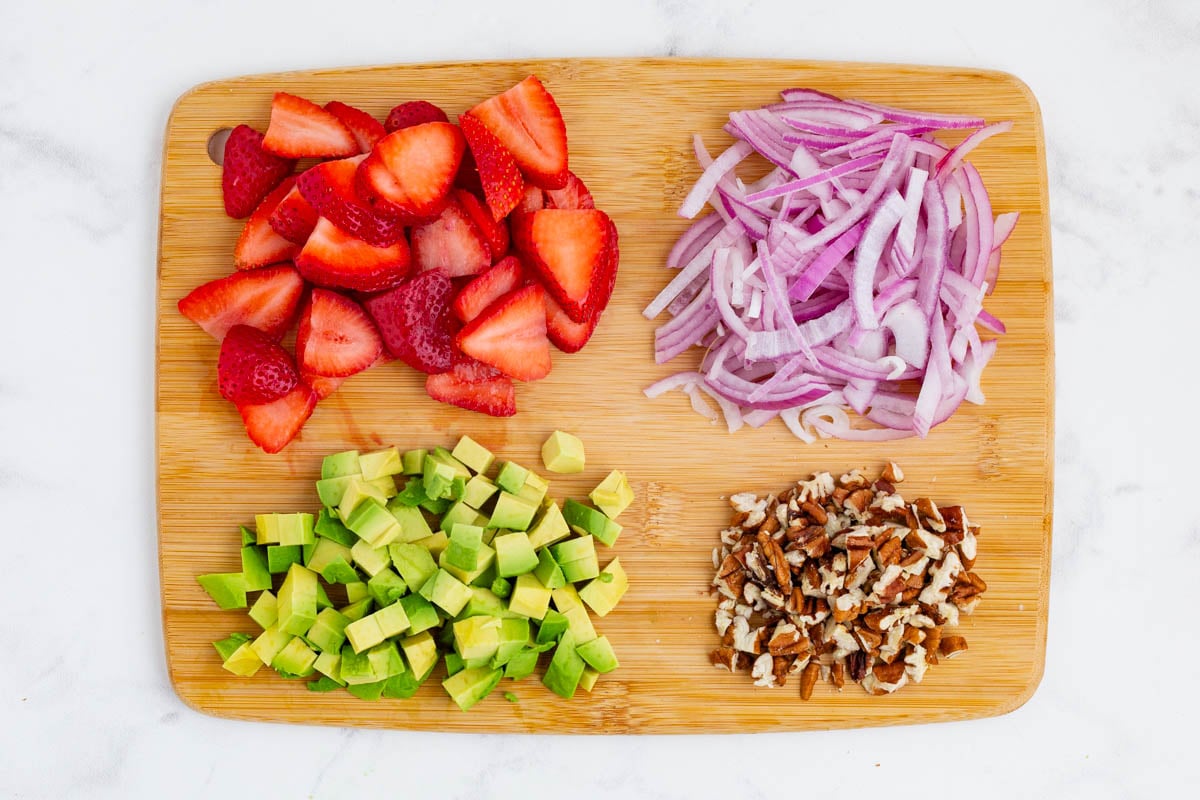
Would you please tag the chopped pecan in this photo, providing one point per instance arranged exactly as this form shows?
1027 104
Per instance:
859 500
724 657
951 538
932 643
779 564
953 517
874 619
781 666
815 542
867 638
814 512
889 673
853 480
891 472
738 518
837 675
857 664
770 525
808 679
839 496
856 556
883 487
950 646
889 552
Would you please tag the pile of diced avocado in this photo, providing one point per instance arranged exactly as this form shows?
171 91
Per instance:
462 565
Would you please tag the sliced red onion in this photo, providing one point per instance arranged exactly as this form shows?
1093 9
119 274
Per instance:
704 187
951 160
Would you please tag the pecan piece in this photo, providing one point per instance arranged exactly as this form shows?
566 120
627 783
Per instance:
814 512
777 561
951 646
889 673
837 675
808 679
856 663
724 657
859 500
891 473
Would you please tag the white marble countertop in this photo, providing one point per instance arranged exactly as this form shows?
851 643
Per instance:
87 709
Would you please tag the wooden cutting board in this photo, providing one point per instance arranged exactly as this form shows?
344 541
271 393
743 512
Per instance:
630 123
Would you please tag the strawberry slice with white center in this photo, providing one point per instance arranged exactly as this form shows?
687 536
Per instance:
493 231
300 128
566 249
565 333
451 243
529 124
507 275
329 188
366 129
510 335
574 195
335 338
266 298
410 172
272 425
475 387
260 244
335 259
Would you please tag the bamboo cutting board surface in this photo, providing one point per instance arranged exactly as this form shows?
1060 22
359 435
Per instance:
629 123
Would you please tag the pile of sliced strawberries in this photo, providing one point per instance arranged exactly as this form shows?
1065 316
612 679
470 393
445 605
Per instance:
463 250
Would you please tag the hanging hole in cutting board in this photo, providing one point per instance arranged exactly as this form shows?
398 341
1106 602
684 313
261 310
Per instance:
216 145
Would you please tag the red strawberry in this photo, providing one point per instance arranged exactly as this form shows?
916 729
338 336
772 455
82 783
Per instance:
336 259
414 112
366 129
413 168
248 172
508 274
494 232
294 218
510 335
568 335
253 368
498 172
264 298
259 244
272 425
415 322
566 248
451 243
329 187
573 195
527 121
301 128
494 396
335 338
321 386
534 199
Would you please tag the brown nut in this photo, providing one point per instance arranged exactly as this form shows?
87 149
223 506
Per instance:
808 679
952 645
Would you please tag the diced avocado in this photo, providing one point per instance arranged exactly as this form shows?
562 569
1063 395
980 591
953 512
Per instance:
378 463
296 529
357 609
454 662
549 526
330 527
413 526
553 626
338 465
248 536
385 660
413 494
437 478
463 549
483 562
484 579
484 602
281 557
306 551
332 490
446 592
514 554
602 594
502 588
573 549
401 686
461 513
227 646
563 453
599 655
386 587
340 571
435 544
488 535
357 491
386 485
468 687
585 520
422 616
522 663
529 597
367 691
265 610
323 600
228 589
356 668
511 477
266 529
477 637
370 559
413 562
587 680
512 512
373 523
328 632
269 643
298 600
413 462
323 683
243 661
581 570
613 494
458 487
478 491
567 601
326 552
436 507
514 636
254 568
548 571
421 652
296 658
444 456
566 668
534 490
329 664
374 628
357 591
474 455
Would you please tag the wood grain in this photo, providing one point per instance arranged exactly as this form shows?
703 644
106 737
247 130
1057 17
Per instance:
630 124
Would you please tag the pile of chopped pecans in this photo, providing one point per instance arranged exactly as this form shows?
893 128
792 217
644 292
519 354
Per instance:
834 580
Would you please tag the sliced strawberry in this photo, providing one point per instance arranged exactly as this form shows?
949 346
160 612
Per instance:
510 335
366 129
335 259
494 396
534 199
498 172
566 248
508 274
266 298
329 187
468 369
451 243
573 195
413 168
294 218
259 244
565 333
494 232
415 322
248 172
414 112
335 338
301 128
254 368
272 425
321 386
527 121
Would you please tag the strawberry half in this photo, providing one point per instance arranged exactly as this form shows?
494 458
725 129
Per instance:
272 425
300 128
335 259
329 188
465 388
248 172
499 174
534 199
573 195
565 333
566 249
366 129
451 243
412 113
294 218
264 298
413 169
335 338
253 368
510 335
259 244
321 386
415 322
527 121
508 274
494 232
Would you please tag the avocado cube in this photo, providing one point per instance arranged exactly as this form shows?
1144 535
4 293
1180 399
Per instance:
402 686
478 491
306 552
295 529
356 609
421 652
461 513
412 462
484 559
529 597
422 616
435 544
573 549
323 600
511 477
330 527
380 463
548 571
485 603
468 687
413 562
265 610
385 660
454 662
356 492
444 456
340 571
473 455
512 512
386 485
326 552
514 554
437 478
329 664
485 579
579 624
332 490
356 591
386 587
281 557
603 594
514 636
566 668
412 495
553 626
534 490
339 465
374 628
373 523
248 536
522 663
585 520
413 526
243 661
599 655
581 570
367 691
370 559
229 645
269 643
563 453
463 549
613 494
356 668
587 681
295 658
323 683
266 529
548 527
228 589
328 632
254 568
436 507
477 637
502 588
446 592
298 600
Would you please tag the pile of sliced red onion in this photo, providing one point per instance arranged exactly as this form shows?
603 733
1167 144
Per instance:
852 271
